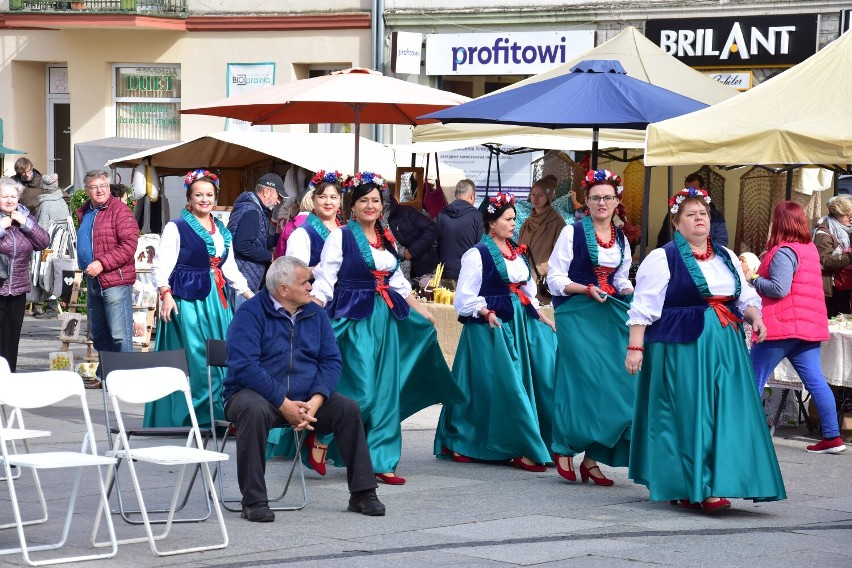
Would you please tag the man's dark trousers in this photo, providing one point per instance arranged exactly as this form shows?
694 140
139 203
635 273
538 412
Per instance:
254 416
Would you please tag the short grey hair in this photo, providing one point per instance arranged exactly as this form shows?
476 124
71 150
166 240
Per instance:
464 187
9 182
840 205
94 174
282 271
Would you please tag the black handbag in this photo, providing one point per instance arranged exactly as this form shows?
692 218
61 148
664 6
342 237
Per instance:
4 267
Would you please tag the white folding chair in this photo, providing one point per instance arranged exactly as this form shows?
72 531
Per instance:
139 386
25 391
217 356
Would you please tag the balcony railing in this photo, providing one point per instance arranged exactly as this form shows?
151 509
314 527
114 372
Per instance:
149 7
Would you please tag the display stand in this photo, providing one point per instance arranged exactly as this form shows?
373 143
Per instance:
73 304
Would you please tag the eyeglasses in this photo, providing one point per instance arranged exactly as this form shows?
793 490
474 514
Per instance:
599 198
98 186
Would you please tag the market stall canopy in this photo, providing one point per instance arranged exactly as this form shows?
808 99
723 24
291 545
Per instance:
94 154
640 58
595 94
802 116
239 149
356 95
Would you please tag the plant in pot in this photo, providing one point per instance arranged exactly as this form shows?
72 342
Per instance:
78 5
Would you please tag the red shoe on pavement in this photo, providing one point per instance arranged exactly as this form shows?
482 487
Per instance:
825 446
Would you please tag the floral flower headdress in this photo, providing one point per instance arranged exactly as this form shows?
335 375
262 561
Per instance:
499 200
597 176
334 177
677 198
195 175
365 177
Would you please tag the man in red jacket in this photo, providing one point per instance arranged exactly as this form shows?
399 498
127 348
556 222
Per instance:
106 246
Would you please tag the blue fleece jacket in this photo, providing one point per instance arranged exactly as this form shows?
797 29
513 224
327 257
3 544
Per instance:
276 358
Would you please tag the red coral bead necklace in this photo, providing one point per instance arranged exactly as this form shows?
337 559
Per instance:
611 237
704 255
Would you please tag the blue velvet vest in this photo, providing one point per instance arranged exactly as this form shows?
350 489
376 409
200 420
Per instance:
190 278
582 271
682 318
495 291
317 243
355 292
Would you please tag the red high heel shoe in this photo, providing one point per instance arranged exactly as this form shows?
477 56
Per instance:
569 473
519 463
586 474
391 478
715 506
457 457
311 443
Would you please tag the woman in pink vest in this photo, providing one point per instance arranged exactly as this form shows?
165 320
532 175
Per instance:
789 281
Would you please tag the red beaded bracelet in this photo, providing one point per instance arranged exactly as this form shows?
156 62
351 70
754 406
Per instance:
163 294
589 290
635 348
488 314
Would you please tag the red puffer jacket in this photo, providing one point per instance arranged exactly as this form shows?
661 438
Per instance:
18 243
114 238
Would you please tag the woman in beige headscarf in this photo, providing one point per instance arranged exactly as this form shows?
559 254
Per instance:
541 229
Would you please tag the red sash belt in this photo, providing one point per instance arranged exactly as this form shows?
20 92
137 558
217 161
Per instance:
219 279
381 286
603 272
515 287
725 315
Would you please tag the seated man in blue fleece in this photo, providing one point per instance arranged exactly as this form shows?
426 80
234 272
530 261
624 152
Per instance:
283 367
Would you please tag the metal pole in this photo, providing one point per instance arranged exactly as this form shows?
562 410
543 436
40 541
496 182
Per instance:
646 210
788 192
595 133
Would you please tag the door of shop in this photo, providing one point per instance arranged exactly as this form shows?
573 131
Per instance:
59 145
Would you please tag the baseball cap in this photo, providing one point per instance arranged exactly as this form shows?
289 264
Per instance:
274 181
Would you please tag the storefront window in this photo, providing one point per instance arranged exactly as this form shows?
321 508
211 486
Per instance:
147 101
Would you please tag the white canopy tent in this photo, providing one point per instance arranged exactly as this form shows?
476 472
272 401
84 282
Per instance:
802 116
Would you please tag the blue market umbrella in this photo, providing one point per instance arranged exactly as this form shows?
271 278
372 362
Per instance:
594 94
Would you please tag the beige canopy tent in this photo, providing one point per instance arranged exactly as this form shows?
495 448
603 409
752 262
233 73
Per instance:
802 116
242 149
640 58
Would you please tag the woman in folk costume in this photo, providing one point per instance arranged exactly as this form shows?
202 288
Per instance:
192 265
699 432
305 243
392 364
307 240
506 354
588 278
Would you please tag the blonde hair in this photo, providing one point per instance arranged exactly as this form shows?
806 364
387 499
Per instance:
306 205
840 205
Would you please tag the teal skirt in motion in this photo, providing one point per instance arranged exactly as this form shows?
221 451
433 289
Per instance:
392 368
594 393
195 322
507 375
699 430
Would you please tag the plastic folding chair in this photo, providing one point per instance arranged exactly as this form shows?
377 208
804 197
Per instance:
217 356
136 360
15 433
38 390
145 385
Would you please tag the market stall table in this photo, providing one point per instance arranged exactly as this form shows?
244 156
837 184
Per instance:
836 361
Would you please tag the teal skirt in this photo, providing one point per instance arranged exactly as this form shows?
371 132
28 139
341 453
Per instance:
392 368
507 375
195 322
699 430
594 393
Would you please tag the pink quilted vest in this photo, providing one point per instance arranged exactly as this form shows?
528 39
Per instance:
801 314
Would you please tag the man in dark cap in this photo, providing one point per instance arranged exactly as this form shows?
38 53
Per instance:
249 225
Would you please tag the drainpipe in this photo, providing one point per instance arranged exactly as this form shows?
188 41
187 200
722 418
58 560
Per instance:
378 59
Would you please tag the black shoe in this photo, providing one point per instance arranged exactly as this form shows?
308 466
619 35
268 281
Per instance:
258 513
366 504
49 313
